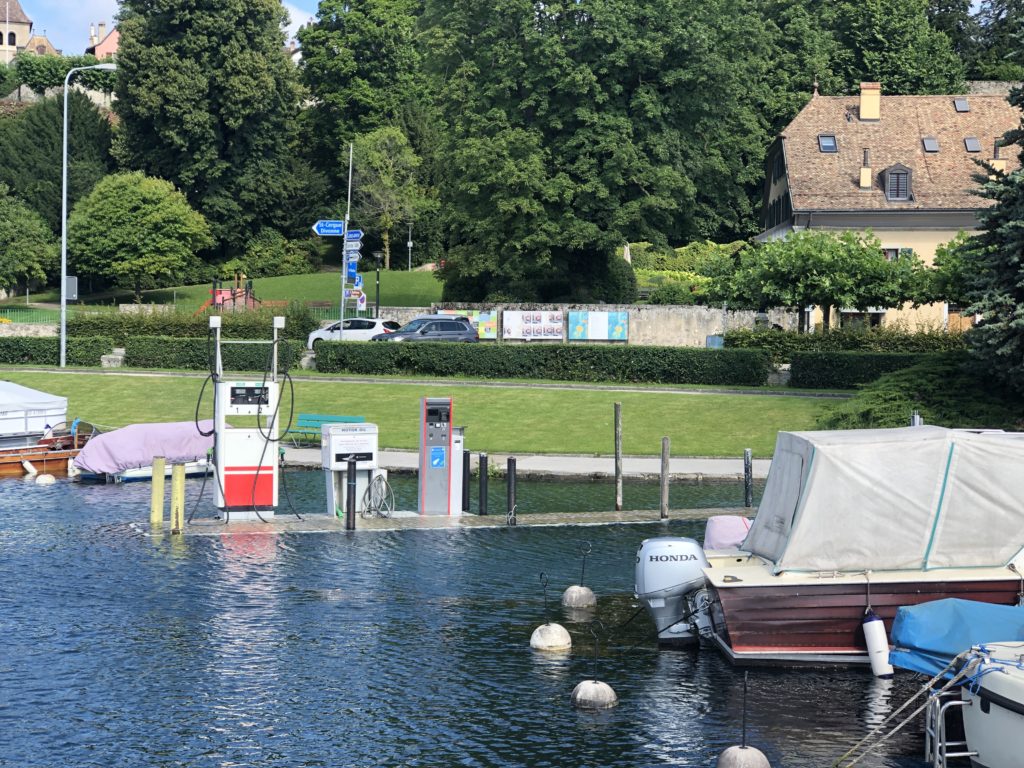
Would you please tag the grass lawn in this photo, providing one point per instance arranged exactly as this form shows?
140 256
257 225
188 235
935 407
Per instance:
397 289
497 419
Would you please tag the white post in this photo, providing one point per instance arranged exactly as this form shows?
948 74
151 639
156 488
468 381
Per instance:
410 246
7 35
344 254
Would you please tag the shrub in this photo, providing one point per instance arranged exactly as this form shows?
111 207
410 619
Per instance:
946 389
195 354
563 362
29 350
782 344
845 370
256 324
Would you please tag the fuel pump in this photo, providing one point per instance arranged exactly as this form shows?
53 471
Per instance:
246 458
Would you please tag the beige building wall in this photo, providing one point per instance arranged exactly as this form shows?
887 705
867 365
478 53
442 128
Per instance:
21 32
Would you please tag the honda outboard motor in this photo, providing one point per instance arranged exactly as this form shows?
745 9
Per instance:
670 580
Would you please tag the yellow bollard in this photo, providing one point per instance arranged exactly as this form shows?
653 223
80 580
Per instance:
177 498
156 501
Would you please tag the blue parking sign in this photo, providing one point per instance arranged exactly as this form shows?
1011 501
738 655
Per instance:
438 457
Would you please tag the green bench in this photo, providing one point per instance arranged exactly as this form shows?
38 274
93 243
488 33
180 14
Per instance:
307 425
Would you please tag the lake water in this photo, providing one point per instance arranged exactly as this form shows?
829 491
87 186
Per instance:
402 648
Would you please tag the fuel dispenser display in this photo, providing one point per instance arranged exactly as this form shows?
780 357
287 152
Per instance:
339 443
440 481
246 458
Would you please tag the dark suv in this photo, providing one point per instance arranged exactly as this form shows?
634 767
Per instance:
433 328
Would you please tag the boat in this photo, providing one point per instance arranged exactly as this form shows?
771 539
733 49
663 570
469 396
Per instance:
993 708
126 454
851 524
34 434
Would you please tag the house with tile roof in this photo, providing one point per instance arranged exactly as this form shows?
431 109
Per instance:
15 31
903 167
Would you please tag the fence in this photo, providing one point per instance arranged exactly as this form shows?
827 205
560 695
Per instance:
44 315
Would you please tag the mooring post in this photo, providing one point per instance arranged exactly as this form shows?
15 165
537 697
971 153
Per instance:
748 477
510 479
465 481
156 499
482 468
350 494
665 451
177 498
618 457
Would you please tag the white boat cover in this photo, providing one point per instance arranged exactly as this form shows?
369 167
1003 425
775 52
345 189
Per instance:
28 410
136 445
914 498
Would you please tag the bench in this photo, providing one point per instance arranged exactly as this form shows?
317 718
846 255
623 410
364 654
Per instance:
307 425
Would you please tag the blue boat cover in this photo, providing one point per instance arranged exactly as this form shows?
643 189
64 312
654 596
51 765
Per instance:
928 636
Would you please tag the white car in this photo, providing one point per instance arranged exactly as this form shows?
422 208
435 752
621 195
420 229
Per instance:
356 329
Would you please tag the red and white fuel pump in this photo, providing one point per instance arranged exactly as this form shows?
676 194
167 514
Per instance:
246 458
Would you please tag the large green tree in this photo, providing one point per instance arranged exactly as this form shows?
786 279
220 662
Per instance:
993 264
206 97
31 147
136 232
1000 40
27 246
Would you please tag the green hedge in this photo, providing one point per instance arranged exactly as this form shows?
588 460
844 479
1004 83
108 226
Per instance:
257 324
193 354
783 344
32 350
845 370
562 362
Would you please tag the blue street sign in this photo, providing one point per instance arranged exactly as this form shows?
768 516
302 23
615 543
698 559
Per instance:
353 234
329 228
358 281
351 269
437 456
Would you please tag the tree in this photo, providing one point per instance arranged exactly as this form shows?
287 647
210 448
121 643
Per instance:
892 42
27 246
41 73
1001 40
137 232
387 190
206 98
948 280
824 269
993 264
32 145
954 19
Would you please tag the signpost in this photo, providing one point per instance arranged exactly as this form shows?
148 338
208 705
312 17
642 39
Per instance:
330 228
353 242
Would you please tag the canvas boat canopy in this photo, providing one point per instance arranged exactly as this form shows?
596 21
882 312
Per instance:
26 413
913 498
136 445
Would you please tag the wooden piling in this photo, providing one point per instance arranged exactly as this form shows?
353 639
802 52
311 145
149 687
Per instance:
156 499
748 477
177 498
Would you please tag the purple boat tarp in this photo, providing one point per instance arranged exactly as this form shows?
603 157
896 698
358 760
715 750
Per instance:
135 446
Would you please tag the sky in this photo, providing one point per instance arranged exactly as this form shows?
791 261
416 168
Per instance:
66 22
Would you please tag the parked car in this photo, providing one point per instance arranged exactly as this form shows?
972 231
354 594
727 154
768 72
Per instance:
433 328
356 329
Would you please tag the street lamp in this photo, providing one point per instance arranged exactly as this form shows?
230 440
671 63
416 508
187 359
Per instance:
378 255
106 67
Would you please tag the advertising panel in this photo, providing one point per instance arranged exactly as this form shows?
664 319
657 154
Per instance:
486 322
532 326
598 326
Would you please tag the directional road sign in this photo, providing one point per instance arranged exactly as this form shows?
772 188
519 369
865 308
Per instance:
352 246
353 234
329 228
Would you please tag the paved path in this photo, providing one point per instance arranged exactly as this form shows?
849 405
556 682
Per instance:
546 465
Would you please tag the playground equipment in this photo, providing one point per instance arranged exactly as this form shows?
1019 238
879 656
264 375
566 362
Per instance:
234 297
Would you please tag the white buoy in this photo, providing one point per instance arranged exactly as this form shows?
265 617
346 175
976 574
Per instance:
578 596
742 757
551 637
45 480
593 694
878 644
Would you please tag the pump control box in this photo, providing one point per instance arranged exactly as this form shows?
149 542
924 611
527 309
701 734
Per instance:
249 398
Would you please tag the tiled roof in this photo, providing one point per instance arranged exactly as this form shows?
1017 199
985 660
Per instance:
940 181
17 16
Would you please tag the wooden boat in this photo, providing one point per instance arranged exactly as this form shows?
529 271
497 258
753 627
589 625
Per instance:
49 454
850 521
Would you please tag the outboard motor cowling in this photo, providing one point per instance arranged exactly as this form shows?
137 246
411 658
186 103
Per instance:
669 579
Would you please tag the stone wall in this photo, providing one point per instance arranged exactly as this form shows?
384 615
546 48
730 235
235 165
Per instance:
28 329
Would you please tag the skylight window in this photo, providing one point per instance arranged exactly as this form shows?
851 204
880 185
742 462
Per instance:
931 144
972 144
827 142
961 105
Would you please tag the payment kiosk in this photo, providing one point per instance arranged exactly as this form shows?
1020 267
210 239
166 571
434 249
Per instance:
441 451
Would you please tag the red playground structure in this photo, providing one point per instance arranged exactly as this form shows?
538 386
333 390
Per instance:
239 296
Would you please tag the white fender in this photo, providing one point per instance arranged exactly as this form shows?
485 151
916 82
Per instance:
878 645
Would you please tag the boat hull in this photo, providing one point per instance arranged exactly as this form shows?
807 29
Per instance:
821 623
994 715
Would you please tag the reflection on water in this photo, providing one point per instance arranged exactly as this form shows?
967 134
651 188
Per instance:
399 648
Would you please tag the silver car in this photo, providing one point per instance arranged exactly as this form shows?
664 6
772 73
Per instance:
355 329
433 328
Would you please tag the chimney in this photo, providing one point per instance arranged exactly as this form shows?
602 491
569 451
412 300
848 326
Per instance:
865 170
997 162
870 101
103 31
92 35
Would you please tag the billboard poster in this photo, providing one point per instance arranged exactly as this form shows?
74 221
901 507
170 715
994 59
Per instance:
486 322
598 326
532 326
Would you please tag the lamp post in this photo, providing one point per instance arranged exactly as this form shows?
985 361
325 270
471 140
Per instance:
107 67
377 255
